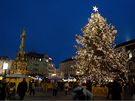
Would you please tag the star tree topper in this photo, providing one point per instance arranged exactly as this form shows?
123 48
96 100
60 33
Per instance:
95 9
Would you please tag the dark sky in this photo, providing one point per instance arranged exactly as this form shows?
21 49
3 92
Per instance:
51 25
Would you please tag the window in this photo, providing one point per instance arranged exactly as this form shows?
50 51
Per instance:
130 55
131 65
133 52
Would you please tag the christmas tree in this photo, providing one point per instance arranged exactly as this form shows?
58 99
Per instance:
96 55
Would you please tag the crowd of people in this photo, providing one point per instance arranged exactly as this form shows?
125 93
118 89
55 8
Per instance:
121 90
8 89
78 91
117 90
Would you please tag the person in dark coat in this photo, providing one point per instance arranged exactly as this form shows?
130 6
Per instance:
116 90
11 91
55 88
80 93
109 86
128 90
22 88
32 87
89 85
133 92
3 86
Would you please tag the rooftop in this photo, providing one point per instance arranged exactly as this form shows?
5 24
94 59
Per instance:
69 59
127 43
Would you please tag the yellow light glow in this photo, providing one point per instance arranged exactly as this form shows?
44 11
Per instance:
1 77
5 65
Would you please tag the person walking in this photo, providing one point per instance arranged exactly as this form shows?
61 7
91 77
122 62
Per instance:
129 90
11 91
3 87
109 86
89 85
32 88
66 88
55 88
22 88
116 90
80 93
133 92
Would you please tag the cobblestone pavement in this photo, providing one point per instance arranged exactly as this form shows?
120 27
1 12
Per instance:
40 95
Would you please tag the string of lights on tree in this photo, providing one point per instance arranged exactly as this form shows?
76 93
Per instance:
96 55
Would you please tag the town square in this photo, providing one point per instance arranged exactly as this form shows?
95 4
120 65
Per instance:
67 50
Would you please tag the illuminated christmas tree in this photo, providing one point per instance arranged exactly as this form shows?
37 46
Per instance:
96 55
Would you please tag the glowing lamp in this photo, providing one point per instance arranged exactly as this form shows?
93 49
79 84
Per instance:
5 65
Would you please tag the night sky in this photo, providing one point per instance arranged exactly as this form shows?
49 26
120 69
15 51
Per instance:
51 25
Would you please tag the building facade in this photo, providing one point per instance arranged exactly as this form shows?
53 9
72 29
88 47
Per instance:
59 73
40 64
8 62
66 68
51 70
130 48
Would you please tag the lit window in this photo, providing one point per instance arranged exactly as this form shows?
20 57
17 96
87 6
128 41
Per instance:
47 61
130 55
40 59
5 65
133 52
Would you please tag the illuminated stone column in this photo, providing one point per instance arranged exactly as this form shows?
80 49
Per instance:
20 64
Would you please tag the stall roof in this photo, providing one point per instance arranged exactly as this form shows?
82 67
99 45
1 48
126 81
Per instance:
17 76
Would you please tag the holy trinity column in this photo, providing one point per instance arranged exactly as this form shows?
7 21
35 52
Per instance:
20 63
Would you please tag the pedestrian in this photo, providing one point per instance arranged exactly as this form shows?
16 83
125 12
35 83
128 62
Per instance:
45 86
129 89
88 94
89 85
109 86
3 87
80 93
11 91
116 90
22 88
55 88
32 87
66 88
133 92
